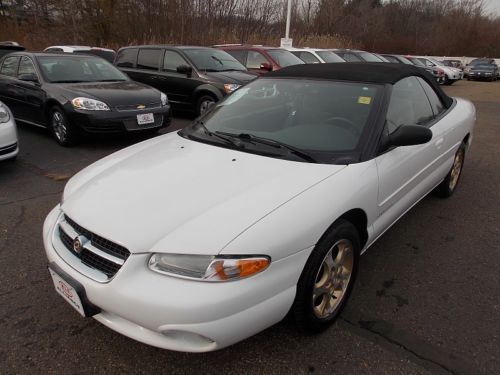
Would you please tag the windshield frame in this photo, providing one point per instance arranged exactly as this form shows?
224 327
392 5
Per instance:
363 148
123 77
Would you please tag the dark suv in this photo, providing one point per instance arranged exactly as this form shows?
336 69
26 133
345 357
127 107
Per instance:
192 77
260 59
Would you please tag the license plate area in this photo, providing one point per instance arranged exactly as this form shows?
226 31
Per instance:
72 291
145 118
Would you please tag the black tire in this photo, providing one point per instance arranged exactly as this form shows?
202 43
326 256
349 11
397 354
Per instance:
202 104
448 186
62 130
305 308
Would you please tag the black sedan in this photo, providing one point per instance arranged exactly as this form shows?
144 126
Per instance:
483 71
75 95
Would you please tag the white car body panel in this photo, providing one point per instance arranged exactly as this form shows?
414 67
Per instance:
8 137
174 195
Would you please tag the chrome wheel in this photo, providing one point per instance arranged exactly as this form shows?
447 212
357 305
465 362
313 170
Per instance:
456 169
333 278
59 126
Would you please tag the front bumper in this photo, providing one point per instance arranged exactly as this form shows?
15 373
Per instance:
117 121
9 146
184 315
481 76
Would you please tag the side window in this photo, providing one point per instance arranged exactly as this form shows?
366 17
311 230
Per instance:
255 59
9 66
350 57
54 50
239 55
149 59
126 58
308 58
408 105
172 61
436 103
26 67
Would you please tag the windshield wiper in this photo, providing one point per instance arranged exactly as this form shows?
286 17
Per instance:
68 81
271 142
112 80
215 134
217 59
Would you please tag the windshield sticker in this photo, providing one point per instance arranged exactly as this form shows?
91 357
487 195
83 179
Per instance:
364 100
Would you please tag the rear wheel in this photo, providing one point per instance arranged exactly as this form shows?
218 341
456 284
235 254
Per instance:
327 279
447 187
62 130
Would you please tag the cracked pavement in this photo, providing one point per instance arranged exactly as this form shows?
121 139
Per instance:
427 299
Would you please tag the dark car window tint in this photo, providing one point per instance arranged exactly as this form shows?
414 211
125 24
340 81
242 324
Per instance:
172 60
239 55
329 56
284 58
149 59
255 59
308 58
127 58
9 66
26 67
392 59
350 57
53 50
436 103
408 105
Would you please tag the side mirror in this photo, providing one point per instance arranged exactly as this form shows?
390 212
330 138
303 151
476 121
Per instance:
266 66
28 77
185 69
410 135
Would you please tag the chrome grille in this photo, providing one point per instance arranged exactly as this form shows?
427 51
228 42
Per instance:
98 253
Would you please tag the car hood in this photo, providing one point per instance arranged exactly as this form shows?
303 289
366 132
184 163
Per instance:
112 93
170 194
239 77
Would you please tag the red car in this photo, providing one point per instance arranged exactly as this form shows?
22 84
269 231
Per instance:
261 59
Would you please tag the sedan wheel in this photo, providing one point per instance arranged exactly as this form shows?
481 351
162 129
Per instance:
61 128
450 182
328 278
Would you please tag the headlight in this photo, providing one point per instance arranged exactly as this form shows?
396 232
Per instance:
208 268
89 104
164 99
4 114
230 87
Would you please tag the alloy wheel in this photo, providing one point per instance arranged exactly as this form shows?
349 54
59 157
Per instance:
205 105
59 126
333 278
456 169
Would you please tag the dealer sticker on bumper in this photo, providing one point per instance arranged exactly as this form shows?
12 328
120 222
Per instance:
145 118
67 292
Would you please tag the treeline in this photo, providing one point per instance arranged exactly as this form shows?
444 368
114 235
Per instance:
431 27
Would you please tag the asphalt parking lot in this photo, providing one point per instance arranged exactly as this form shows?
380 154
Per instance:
427 299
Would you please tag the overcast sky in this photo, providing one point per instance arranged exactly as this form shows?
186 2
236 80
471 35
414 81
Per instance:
493 6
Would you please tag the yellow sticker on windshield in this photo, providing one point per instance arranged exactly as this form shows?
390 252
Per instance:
364 100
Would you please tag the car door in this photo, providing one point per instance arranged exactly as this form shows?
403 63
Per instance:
31 107
407 173
147 69
179 87
10 93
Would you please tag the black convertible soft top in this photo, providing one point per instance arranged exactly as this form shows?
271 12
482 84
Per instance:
381 73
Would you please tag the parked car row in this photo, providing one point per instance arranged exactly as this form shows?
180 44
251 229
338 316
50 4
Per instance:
77 95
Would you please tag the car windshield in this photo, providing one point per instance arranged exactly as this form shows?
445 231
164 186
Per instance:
61 69
404 60
439 63
479 61
284 58
483 66
316 117
329 56
213 60
370 57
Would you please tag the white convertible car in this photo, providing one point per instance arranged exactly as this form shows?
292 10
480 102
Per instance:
195 240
